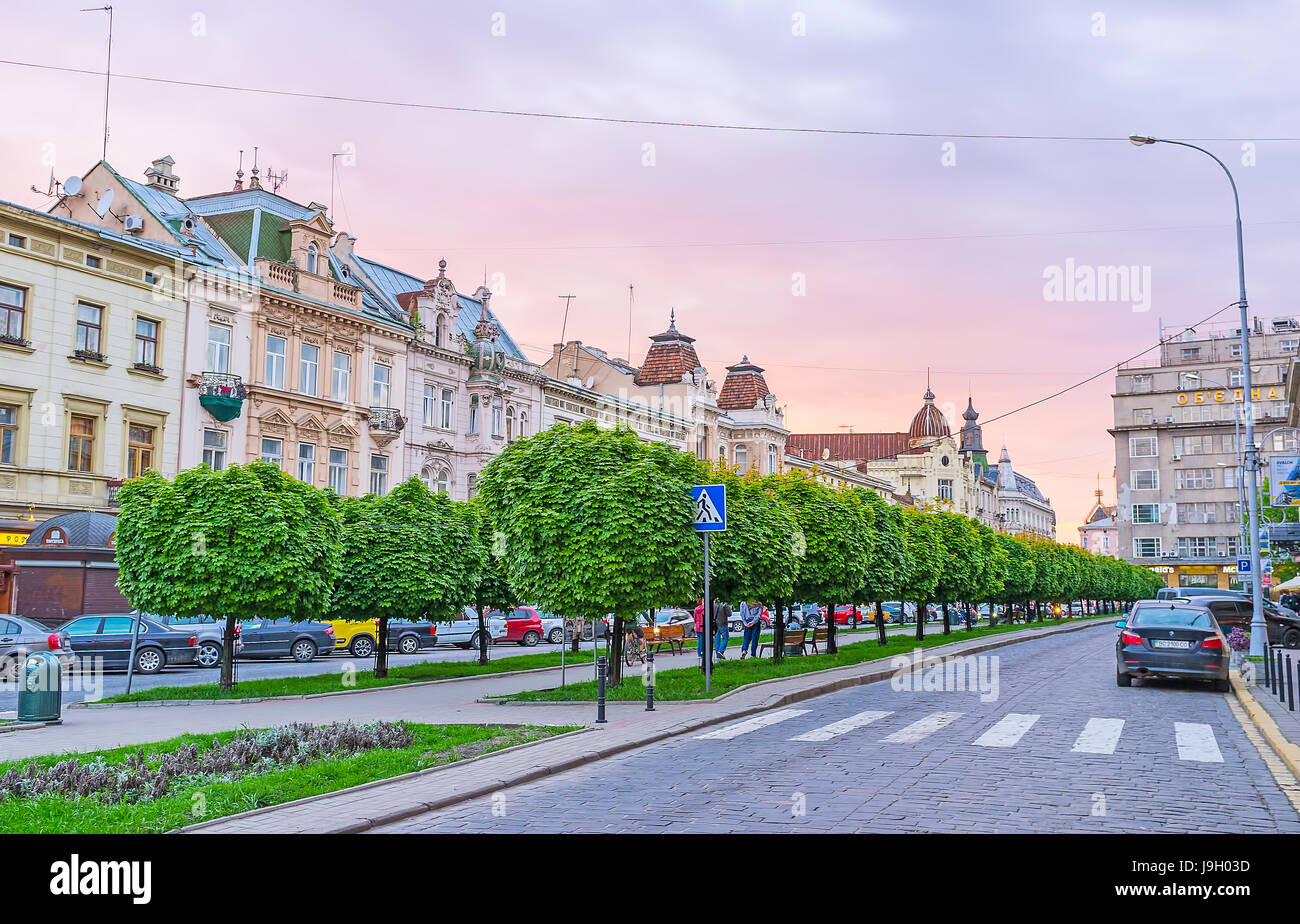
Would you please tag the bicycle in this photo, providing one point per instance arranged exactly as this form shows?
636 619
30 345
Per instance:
634 648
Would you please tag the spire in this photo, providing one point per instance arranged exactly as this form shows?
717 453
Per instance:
254 182
672 320
239 174
1004 457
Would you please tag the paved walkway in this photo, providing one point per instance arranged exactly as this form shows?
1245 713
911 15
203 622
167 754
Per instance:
385 802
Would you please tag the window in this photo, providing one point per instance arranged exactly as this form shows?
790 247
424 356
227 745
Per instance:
771 459
1189 380
1234 350
307 462
469 485
218 348
1190 353
1196 546
1141 384
1195 478
378 474
426 478
1284 442
275 353
444 482
701 443
150 277
81 444
1146 513
496 416
945 489
447 406
313 258
430 405
473 415
1289 346
146 342
382 386
214 449
308 363
93 261
1228 443
13 311
339 471
741 455
1198 513
90 319
439 329
1193 445
1144 479
1229 477
139 449
272 450
342 376
1146 547
1236 376
17 240
1143 416
510 424
8 433
1142 446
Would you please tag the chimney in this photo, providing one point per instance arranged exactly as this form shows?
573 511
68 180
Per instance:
160 176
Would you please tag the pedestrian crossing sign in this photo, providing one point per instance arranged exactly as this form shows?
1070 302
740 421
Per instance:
710 507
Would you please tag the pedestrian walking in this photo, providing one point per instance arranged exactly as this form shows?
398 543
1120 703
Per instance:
722 630
700 633
751 623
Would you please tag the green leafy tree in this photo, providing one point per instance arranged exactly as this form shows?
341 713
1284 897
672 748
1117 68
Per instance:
595 522
1018 574
493 591
992 574
926 557
409 554
963 560
887 562
247 542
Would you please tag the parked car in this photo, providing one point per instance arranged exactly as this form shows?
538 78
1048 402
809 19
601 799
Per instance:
846 616
462 631
211 636
552 628
1173 593
764 618
280 637
20 637
522 625
1176 638
410 636
108 636
805 616
676 616
1231 610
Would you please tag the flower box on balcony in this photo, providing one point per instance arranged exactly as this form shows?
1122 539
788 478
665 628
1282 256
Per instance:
14 341
89 356
148 367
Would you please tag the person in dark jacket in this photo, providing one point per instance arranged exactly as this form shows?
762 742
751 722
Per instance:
722 627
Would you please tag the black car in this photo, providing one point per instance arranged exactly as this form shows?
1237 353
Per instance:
108 636
1171 639
410 636
281 638
1231 610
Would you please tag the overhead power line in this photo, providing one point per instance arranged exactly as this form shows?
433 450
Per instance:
573 117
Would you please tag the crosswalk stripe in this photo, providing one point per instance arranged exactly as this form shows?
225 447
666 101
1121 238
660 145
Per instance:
1099 736
843 726
1008 731
922 727
1196 741
754 724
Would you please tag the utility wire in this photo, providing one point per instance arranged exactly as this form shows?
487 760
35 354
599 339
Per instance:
666 123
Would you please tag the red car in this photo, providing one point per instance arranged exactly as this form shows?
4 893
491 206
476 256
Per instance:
764 620
844 615
523 626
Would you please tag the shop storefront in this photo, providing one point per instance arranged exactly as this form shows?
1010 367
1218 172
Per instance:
67 567
1222 577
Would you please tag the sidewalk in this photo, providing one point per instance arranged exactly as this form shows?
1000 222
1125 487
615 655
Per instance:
1272 715
629 727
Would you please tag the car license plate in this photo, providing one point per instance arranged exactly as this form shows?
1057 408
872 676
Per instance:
1169 643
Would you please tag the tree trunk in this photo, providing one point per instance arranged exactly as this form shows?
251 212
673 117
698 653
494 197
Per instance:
381 649
920 620
228 653
615 646
882 638
830 629
969 625
482 635
577 636
778 632
947 623
993 614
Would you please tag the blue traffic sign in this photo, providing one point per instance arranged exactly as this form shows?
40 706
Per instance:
710 507
1243 566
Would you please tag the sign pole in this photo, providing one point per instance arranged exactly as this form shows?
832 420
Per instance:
708 620
710 502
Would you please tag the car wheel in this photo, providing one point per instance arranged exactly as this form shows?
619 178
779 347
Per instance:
556 637
209 654
476 641
408 645
531 638
149 660
1123 680
734 627
1222 686
304 650
1291 638
363 646
9 671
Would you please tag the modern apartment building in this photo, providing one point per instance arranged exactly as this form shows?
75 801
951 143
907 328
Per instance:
1178 430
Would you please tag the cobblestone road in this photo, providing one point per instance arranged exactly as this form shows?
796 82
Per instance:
1060 748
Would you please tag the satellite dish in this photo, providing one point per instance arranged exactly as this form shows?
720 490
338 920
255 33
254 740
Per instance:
591 380
72 186
105 202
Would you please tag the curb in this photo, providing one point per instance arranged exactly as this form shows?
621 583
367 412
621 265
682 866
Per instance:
595 754
26 726
1284 749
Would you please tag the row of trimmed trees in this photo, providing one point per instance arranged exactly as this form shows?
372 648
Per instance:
579 521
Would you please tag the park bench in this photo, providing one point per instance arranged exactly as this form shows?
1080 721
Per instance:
673 636
793 639
819 635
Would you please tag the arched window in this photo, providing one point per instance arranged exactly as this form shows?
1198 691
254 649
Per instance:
444 482
473 414
427 477
439 329
742 458
523 424
496 416
510 424
313 257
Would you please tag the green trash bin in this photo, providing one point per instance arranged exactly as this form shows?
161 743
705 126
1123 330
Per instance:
40 688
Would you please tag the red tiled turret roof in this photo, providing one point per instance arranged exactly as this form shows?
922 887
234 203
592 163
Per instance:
744 387
671 356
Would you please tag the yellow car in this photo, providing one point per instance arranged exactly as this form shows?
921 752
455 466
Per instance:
356 636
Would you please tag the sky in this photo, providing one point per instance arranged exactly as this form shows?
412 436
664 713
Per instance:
846 265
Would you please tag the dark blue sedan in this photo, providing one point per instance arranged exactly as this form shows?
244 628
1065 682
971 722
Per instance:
1171 640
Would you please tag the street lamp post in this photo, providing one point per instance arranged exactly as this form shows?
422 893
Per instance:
1258 632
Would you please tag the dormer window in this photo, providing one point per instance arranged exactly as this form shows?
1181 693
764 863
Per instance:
313 258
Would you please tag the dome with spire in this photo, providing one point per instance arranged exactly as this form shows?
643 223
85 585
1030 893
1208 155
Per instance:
929 421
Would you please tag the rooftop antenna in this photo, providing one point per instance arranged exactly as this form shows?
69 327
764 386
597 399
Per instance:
629 323
563 327
333 167
277 179
108 69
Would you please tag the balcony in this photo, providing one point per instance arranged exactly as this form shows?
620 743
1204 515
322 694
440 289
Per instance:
385 424
222 394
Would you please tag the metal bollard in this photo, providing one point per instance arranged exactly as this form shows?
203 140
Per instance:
650 681
1268 670
1290 685
601 667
